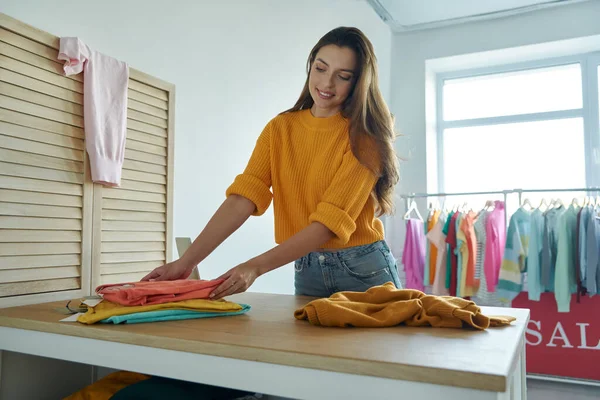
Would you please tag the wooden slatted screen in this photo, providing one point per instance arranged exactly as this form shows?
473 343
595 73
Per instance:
60 234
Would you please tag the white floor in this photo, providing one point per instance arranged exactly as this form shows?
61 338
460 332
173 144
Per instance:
544 390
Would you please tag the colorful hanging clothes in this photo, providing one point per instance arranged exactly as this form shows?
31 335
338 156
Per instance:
495 243
593 254
452 256
565 281
582 230
515 256
459 255
483 296
469 282
431 249
446 232
413 255
550 246
438 239
534 256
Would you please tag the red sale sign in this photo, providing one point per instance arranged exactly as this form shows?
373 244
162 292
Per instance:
563 344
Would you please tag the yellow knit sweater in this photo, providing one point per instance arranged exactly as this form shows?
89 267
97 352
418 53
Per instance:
309 166
384 306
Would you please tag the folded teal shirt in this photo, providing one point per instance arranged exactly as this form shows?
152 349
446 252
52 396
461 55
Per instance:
169 315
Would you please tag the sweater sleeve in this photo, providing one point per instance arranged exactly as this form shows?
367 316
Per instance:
345 197
255 182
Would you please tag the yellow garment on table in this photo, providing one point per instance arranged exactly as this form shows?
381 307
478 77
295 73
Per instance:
108 386
384 305
107 309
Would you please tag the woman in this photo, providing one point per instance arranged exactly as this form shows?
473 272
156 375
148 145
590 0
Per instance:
330 164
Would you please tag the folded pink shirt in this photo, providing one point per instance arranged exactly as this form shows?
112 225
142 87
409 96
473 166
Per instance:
157 292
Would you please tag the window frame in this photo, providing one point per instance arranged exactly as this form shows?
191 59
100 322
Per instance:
589 62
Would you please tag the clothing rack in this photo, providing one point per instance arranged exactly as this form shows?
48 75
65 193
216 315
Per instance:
411 196
505 193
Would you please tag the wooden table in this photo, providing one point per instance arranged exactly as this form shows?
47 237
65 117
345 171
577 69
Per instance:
268 351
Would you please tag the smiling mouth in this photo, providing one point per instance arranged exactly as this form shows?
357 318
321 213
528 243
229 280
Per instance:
325 95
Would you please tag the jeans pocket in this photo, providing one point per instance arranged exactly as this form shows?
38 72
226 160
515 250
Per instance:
367 265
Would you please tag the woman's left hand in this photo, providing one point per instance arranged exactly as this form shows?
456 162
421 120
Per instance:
237 280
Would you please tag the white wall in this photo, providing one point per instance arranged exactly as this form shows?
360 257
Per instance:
235 64
410 52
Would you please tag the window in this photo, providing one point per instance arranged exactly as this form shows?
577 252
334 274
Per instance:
533 126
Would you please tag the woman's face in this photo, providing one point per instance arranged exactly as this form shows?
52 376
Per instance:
331 78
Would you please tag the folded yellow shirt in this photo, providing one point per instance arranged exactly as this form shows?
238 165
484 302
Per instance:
384 305
107 309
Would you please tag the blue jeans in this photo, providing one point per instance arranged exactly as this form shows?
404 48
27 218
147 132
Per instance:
320 274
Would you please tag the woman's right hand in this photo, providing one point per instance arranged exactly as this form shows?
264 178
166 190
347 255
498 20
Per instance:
169 272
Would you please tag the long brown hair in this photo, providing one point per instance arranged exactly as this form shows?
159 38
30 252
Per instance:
371 123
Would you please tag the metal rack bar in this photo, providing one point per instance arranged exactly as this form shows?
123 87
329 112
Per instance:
421 195
508 191
587 189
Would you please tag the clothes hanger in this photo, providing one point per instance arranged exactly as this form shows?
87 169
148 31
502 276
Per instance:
527 202
558 202
575 202
544 203
444 207
489 205
413 207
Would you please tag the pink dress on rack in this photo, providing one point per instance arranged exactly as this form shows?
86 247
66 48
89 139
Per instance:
495 231
413 255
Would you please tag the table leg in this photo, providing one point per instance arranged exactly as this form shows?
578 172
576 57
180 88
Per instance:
517 385
519 377
517 380
508 395
523 372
